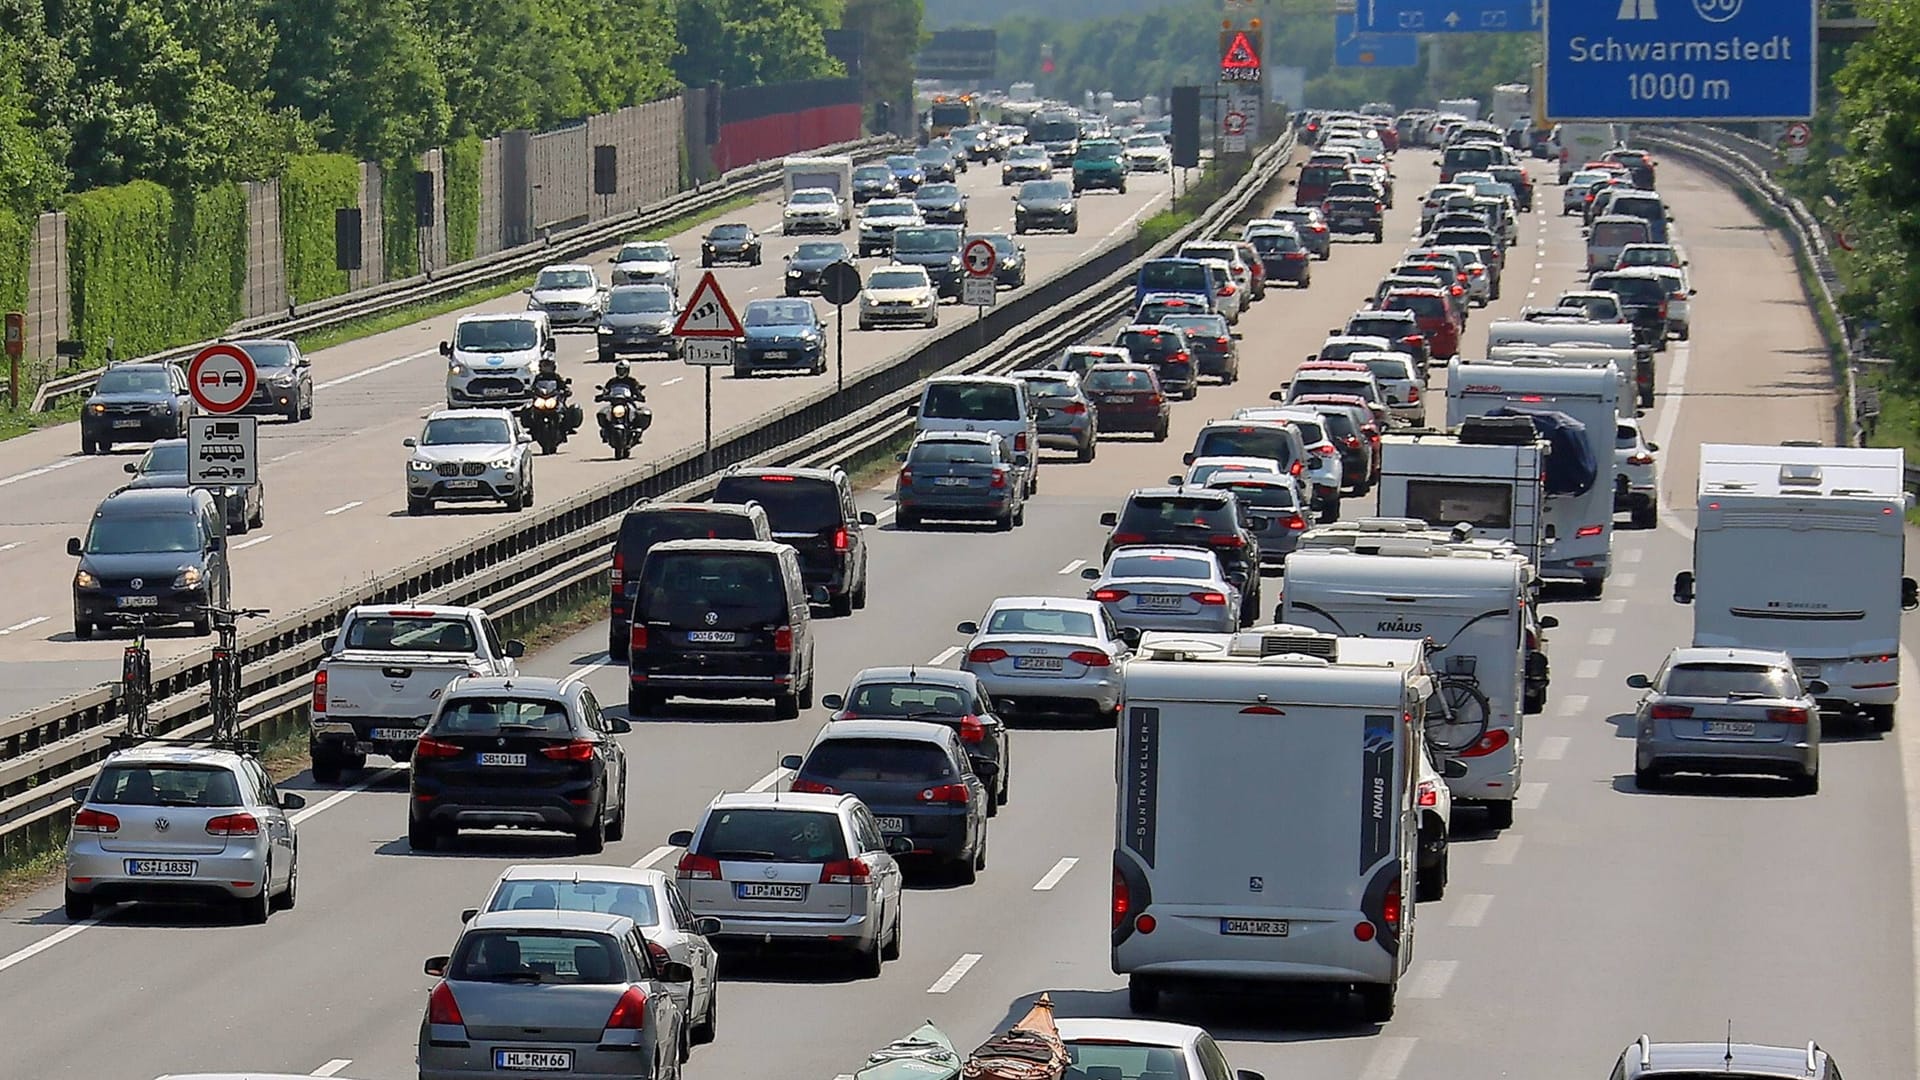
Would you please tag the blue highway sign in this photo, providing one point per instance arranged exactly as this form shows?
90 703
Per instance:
1680 59
1353 48
1450 16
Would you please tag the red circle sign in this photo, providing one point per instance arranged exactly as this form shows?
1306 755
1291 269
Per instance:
980 258
221 378
1798 135
1236 123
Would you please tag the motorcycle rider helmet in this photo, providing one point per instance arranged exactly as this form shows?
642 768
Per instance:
547 365
620 369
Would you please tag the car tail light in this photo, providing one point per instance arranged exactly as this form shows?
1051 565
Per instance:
617 577
320 691
1122 899
1585 531
1020 442
972 730
97 821
1639 457
572 750
1129 538
946 794
630 1012
697 868
1663 309
1476 271
1787 716
1489 743
1223 341
659 953
1227 540
813 786
637 638
1145 923
841 541
783 640
1326 450
1670 712
1428 797
1108 596
1377 208
1074 408
1090 658
1352 441
986 654
435 748
1390 905
443 1009
853 871
233 825
1179 358
1455 290
1227 289
1210 599
1413 395
1297 523
1882 658
999 477
1296 468
1154 399
906 477
1319 228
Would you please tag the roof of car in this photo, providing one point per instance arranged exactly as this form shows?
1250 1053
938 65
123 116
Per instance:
139 365
985 438
1733 1059
1179 551
808 801
501 316
583 872
1696 654
746 547
566 266
1164 492
494 414
1149 1032
158 751
148 498
932 676
886 728
518 685
1060 603
551 919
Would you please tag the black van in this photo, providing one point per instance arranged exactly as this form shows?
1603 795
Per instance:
813 510
720 619
650 523
155 552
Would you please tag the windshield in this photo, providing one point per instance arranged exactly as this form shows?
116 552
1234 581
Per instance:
942 452
884 761
1253 495
124 381
269 354
495 335
970 401
1059 130
926 241
1040 621
730 232
1048 386
1425 307
780 313
816 251
163 784
1151 343
1201 325
1145 142
1321 176
770 835
812 196
878 174
1027 153
1118 379
793 504
905 700
502 715
1267 243
1729 680
167 457
889 210
645 253
1100 150
564 279
130 535
465 431
635 301
939 193
896 279
411 633
903 161
933 155
636 902
558 957
1249 441
1037 190
1388 367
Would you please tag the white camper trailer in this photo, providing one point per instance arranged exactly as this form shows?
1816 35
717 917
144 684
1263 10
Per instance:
834 173
1572 337
1470 478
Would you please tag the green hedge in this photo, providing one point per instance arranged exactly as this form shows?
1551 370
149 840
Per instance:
401 238
151 270
315 185
15 234
461 160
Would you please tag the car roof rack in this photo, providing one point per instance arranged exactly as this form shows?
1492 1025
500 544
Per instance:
249 747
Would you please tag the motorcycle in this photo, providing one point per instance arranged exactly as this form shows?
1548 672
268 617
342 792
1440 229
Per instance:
551 417
624 420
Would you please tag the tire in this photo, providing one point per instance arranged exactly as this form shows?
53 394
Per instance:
203 626
1432 884
617 828
1143 995
1004 523
422 836
1160 433
1086 452
79 906
641 703
417 507
254 909
106 446
82 630
1376 1001
966 871
617 648
1880 718
867 963
786 706
806 696
326 764
892 949
980 855
842 605
1500 814
1594 589
1807 784
292 414
291 896
859 601
608 357
704 1032
88 446
306 411
259 518
1020 516
592 840
1646 517
1646 779
907 520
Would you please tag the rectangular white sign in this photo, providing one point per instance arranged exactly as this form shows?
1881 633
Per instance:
223 450
707 352
979 291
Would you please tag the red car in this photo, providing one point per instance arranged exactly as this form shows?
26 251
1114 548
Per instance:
1128 398
1433 313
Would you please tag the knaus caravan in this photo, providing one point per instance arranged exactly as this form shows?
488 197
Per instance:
1579 521
1491 480
1473 606
1506 338
1266 827
1801 549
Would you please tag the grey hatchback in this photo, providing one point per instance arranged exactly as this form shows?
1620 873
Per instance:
1068 422
970 475
914 776
1727 711
935 695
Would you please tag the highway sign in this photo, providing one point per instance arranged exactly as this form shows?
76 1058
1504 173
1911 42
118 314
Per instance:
707 352
979 291
840 283
708 315
1355 48
1239 56
221 378
1681 60
1797 142
980 259
222 450
1235 123
1451 16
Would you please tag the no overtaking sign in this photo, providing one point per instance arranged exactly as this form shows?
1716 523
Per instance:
221 378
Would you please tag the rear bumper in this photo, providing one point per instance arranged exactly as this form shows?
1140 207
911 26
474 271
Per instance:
568 809
956 506
747 931
103 876
1660 750
1118 420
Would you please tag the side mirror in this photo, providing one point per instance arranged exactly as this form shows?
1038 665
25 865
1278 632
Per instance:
791 761
986 770
1109 519
1239 337
1639 681
1693 292
1277 395
290 801
525 439
1548 622
527 291
619 725
446 348
1176 480
1653 447
899 845
867 518
466 916
1248 1074
706 925
968 627
680 838
1186 458
437 965
913 408
80 794
1130 635
901 457
1683 588
516 649
1816 687
73 545
131 468
833 701
1909 594
818 595
1091 573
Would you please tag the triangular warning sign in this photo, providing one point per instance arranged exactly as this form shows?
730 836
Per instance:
1240 55
707 314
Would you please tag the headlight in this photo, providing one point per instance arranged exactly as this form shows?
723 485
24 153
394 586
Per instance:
922 301
545 403
605 329
619 410
420 466
458 370
793 273
504 463
189 578
98 409
84 580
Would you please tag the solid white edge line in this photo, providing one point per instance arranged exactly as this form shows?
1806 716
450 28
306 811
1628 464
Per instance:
331 1067
363 372
344 509
46 943
654 856
955 973
1071 567
245 544
945 655
344 794
594 664
1054 875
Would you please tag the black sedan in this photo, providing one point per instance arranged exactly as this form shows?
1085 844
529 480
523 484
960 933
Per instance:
135 403
1010 258
730 242
807 262
941 204
165 466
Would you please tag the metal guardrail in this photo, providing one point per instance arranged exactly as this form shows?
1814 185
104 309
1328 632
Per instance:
45 753
333 311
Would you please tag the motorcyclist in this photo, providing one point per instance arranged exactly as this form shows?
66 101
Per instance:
548 381
622 378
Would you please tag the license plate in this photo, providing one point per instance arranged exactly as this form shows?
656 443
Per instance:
950 481
139 601
759 890
394 734
712 637
1730 727
776 354
462 485
1255 927
160 867
892 824
534 1060
1038 663
1807 671
504 760
1159 603
126 423
497 391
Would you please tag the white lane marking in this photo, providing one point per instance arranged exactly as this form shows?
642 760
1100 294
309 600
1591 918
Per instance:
885 516
10 547
1601 637
1625 581
1663 433
1503 851
675 379
1615 606
46 943
1531 295
654 856
338 510
277 458
1588 669
374 370
344 794
1429 978
1573 705
1632 554
946 654
586 669
19 626
331 1067
1553 748
1535 281
1909 739
244 544
1054 875
1471 910
1390 1054
955 973
768 780
63 463
1072 567
1531 794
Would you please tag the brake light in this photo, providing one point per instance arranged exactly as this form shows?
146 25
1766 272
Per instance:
1428 797
841 541
1486 744
1413 395
1223 341
999 477
1296 523
776 478
1587 530
617 577
1129 538
1178 358
1122 899
435 748
630 1012
1108 596
697 868
320 691
96 821
1454 289
443 1009
1319 228
986 654
783 640
813 786
1670 712
1227 289
1390 907
1639 457
946 794
1377 208
906 476
972 730
659 953
1476 271
1326 450
572 750
1787 716
233 825
850 871
1210 599
1075 408
1090 658
1020 442
1228 540
1352 441
637 638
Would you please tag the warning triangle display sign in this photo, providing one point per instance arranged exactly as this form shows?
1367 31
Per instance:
707 314
1240 55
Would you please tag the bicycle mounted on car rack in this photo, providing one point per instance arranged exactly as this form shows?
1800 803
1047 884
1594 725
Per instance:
136 677
248 747
223 674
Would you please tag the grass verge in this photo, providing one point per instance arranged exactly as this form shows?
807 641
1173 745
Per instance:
18 422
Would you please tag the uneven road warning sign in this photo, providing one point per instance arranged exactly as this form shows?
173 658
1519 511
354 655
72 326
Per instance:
707 314
1239 53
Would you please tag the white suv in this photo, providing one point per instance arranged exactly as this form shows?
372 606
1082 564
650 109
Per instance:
492 358
811 210
470 455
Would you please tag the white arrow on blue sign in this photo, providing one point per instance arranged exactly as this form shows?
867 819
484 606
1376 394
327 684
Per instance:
1450 16
1681 60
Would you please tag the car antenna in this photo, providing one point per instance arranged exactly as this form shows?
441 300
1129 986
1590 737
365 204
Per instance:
1729 1057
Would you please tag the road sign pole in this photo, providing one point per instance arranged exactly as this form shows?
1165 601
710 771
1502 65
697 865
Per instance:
708 453
839 347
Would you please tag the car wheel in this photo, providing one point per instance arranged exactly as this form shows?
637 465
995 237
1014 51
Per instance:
704 1032
865 325
1376 1001
1160 433
421 835
869 961
88 446
1432 881
293 410
907 519
592 840
291 895
806 695
306 411
1143 995
1088 450
892 949
617 828
106 446
617 647
1004 523
859 596
82 630
1647 517
966 870
254 909
1647 779
643 703
417 506
79 905
259 518
786 706
1020 515
203 626
326 763
1807 783
1880 717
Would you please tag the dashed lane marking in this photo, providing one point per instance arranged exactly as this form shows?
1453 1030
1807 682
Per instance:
1601 637
675 379
1588 669
244 544
338 510
1553 747
1389 1057
1615 606
19 626
1503 851
593 664
954 974
769 780
1625 581
1429 978
1632 554
11 546
1053 876
1070 568
654 856
331 1067
945 655
375 369
1470 910
1531 794
1573 705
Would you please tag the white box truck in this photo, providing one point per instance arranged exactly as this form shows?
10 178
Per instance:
1466 106
834 173
1266 829
1489 479
1512 102
1576 144
1802 549
1579 519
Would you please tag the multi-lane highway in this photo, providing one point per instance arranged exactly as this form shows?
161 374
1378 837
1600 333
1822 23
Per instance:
1603 913
335 502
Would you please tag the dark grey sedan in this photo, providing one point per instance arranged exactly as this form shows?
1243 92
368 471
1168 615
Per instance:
1010 258
283 383
935 695
1069 422
960 475
941 204
639 321
164 465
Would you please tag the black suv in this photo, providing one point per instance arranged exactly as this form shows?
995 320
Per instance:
1195 517
813 510
646 525
135 403
1166 348
154 552
1643 301
1355 214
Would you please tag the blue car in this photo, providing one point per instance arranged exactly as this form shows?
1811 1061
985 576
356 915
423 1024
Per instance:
1176 277
906 172
781 335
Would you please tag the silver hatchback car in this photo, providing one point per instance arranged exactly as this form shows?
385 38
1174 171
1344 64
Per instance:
181 822
1727 711
552 992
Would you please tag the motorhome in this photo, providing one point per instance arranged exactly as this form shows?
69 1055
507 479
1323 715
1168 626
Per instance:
1266 827
1487 476
1511 103
1620 360
832 173
1802 549
1561 334
1579 499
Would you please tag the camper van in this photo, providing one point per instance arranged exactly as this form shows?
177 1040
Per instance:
1486 476
835 174
1275 728
1517 335
1801 549
1472 605
1579 495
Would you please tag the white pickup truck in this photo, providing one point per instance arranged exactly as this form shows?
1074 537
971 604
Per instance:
383 675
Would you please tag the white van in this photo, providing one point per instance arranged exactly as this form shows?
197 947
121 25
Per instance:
1802 549
1469 478
492 358
1573 145
984 403
1581 525
1471 605
1266 827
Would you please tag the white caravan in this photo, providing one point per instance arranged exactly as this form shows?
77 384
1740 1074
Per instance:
1581 525
1472 605
833 173
1481 477
1266 827
1802 549
1507 338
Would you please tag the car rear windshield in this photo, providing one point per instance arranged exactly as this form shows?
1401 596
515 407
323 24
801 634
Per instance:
1304 386
1161 566
1269 242
1149 342
132 382
1388 367
1467 158
1114 378
502 716
165 458
1174 276
162 784
794 504
954 452
410 633
1600 308
1040 621
1386 328
970 401
1608 234
1425 307
1113 1060
769 835
1048 386
1182 516
1322 176
1633 290
566 957
1340 425
1730 680
917 241
1352 189
125 534
641 529
1249 440
606 897
1211 326
1447 502
897 761
719 589
1258 496
907 700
